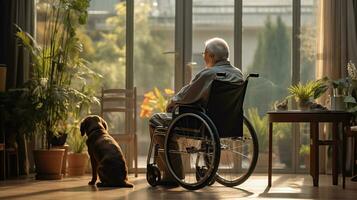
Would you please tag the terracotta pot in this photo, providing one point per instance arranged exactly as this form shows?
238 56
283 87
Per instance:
64 162
77 164
48 163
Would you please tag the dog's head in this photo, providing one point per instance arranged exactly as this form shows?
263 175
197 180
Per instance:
92 122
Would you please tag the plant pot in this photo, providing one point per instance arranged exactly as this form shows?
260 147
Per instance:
48 163
303 104
77 164
337 103
60 140
64 162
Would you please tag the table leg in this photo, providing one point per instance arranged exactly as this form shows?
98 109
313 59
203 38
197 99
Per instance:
314 152
344 138
270 153
335 153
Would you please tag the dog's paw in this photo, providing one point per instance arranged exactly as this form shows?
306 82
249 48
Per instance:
92 182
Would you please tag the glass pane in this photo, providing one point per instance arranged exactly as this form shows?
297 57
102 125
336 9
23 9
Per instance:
154 37
266 49
309 10
211 18
103 40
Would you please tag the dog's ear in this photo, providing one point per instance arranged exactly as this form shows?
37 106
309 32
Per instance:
104 124
83 127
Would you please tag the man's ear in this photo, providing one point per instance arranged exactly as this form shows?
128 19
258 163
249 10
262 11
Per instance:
83 127
104 124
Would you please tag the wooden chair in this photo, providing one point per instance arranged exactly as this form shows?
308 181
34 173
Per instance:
123 101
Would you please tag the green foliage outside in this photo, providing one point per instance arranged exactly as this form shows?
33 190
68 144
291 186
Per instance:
260 124
105 49
272 60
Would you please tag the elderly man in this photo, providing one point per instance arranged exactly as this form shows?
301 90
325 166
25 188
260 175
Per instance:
216 58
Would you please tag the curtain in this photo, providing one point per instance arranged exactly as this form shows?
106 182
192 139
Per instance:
337 39
336 46
17 60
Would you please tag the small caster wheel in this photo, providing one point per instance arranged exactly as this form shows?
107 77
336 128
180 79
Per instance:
201 172
153 175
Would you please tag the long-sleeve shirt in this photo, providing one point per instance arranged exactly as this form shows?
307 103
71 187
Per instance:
197 91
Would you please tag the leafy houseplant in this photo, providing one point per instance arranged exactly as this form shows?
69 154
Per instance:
350 99
58 84
304 93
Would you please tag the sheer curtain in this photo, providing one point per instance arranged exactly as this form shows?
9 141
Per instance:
337 44
337 38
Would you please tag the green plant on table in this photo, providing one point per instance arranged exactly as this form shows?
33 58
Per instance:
310 90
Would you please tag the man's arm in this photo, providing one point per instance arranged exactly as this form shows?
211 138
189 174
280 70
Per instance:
194 91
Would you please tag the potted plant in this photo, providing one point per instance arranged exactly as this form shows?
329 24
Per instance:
305 93
339 92
78 157
58 83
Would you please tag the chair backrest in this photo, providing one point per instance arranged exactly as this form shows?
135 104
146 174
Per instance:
120 101
225 107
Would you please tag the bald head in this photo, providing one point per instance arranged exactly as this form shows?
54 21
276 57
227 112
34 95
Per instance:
218 48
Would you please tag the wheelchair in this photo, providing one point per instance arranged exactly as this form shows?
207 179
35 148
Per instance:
204 145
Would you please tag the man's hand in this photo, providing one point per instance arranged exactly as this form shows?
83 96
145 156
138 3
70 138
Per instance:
170 106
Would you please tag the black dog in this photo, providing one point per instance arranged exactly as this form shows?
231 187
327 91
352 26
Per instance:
105 154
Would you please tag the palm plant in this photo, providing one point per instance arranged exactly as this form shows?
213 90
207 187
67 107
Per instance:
58 85
303 93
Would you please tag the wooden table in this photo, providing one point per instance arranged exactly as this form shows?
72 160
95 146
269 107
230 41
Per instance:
314 118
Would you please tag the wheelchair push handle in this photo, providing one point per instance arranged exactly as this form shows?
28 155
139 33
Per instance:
253 75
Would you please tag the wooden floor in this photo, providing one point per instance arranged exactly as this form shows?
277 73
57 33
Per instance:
284 187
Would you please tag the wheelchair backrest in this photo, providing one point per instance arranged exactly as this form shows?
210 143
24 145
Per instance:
225 107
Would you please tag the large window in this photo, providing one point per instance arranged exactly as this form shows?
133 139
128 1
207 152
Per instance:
154 60
210 18
308 42
266 47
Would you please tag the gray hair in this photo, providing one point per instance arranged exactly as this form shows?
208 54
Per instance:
218 47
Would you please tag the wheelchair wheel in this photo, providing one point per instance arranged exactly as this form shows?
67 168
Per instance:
191 147
153 175
238 157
